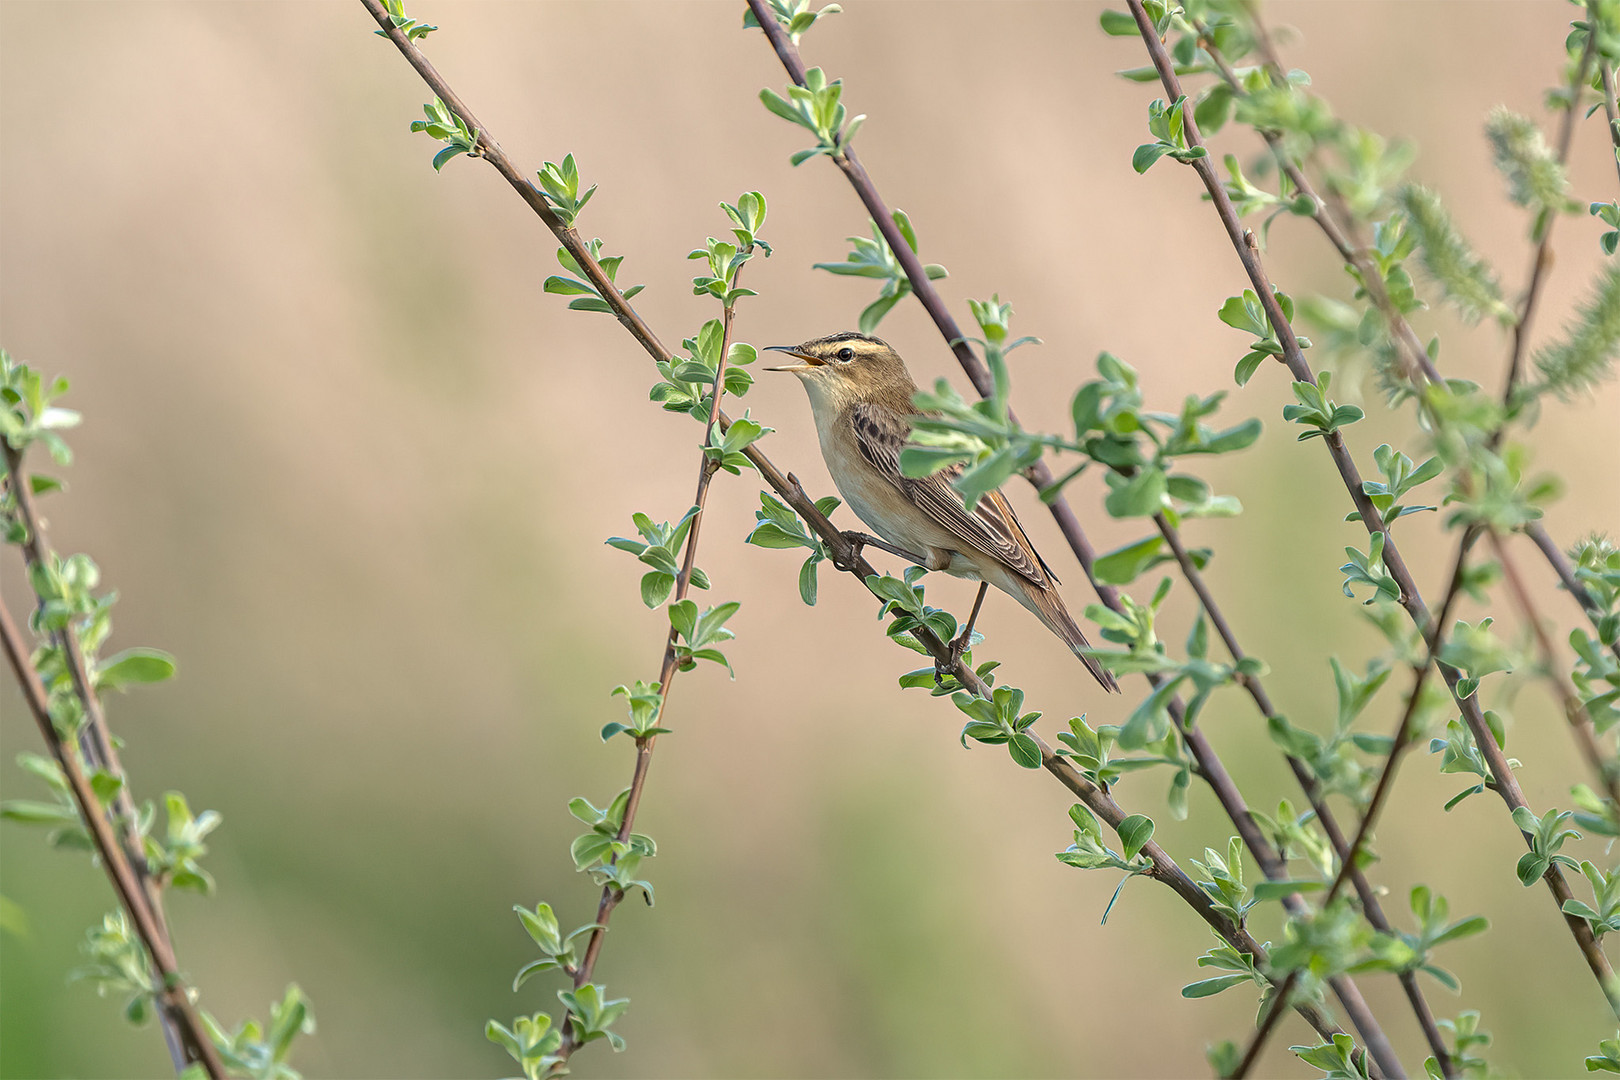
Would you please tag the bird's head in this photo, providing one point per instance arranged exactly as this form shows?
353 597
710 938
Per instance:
849 367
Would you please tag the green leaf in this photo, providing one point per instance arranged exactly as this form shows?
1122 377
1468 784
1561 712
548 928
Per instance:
134 666
1124 564
1024 750
1134 832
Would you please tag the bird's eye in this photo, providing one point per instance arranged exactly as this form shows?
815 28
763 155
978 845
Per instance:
846 354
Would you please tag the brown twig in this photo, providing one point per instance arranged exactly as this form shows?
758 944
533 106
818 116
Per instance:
1541 260
1411 599
1609 110
1101 803
612 895
95 740
1566 576
1210 767
172 991
1580 723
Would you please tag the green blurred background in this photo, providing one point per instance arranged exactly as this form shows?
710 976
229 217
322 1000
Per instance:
344 458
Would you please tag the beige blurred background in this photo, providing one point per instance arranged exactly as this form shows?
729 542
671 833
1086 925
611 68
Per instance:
344 458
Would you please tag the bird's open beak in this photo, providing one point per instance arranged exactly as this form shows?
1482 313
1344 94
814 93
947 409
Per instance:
793 351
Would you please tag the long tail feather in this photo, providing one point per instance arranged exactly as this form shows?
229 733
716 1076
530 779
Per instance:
1048 607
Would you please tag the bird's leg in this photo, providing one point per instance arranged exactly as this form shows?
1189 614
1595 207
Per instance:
959 644
859 540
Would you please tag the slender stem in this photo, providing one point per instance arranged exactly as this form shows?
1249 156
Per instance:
1210 767
1243 242
1541 260
95 741
707 467
1580 722
1165 869
1566 576
171 991
1609 110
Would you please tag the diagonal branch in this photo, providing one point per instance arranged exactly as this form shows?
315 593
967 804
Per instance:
172 990
1210 767
1100 802
95 741
1411 599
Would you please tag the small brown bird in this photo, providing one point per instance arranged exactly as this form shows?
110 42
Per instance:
860 393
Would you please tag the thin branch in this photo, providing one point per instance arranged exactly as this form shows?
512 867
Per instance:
1580 722
95 740
1101 803
1411 599
1541 260
1609 110
171 991
1566 576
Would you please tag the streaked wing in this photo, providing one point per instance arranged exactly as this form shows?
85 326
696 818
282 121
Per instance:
991 529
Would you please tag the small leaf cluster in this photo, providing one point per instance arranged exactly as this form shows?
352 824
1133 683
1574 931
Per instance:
1333 760
1466 1037
1246 313
688 381
1459 754
1546 834
1402 952
645 702
1248 198
117 966
795 16
1609 214
1400 477
1134 628
1242 969
903 600
1476 651
1092 752
29 414
780 527
998 720
660 548
447 127
725 451
558 951
1316 411
726 258
1596 675
698 632
1167 125
816 108
261 1052
560 186
1605 917
602 854
587 297
1338 1058
531 1041
413 29
873 258
1088 852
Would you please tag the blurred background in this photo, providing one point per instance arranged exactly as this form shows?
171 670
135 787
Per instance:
344 458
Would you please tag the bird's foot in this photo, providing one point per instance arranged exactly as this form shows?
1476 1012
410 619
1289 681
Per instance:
946 668
850 560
